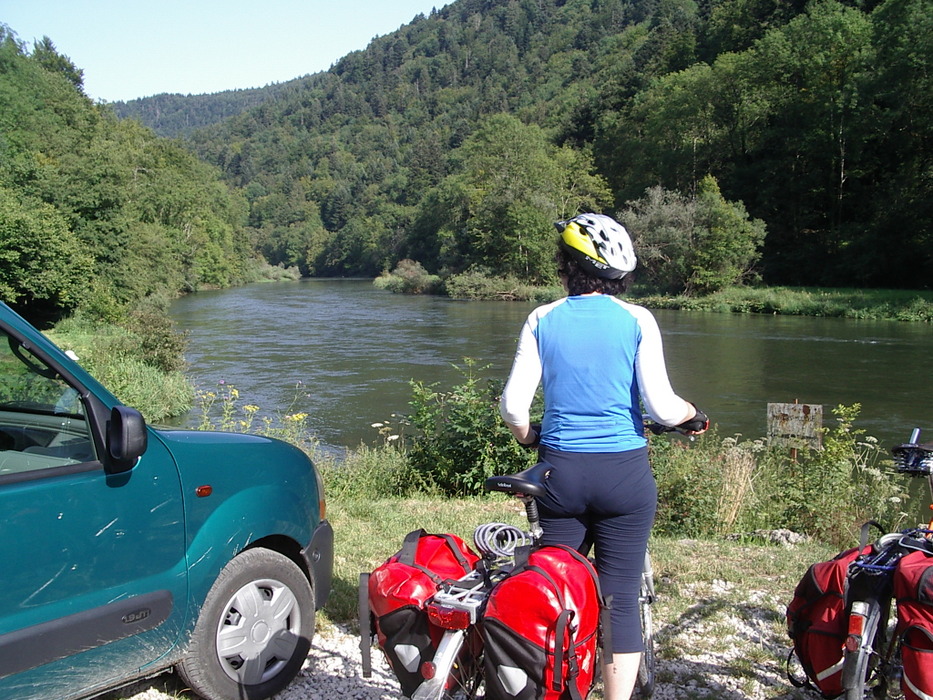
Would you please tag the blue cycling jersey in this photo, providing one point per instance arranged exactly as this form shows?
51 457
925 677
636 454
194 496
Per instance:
587 347
595 357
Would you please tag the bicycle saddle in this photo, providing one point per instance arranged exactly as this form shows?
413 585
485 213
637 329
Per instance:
528 481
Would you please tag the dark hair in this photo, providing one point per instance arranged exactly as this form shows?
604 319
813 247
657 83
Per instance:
579 281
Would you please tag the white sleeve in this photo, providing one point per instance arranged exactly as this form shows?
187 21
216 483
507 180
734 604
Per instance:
519 392
661 403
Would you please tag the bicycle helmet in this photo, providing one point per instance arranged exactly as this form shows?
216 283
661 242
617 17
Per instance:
599 243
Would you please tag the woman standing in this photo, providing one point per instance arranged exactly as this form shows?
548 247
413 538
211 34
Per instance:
598 358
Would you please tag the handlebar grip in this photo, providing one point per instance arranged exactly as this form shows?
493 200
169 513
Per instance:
697 424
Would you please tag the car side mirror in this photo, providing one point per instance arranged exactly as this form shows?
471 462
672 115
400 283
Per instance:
127 438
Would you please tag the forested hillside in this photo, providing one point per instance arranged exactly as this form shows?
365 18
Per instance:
173 115
99 213
737 139
456 139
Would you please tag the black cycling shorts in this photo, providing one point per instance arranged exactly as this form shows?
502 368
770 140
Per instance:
606 501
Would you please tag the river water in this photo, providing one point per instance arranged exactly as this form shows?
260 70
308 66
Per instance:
344 352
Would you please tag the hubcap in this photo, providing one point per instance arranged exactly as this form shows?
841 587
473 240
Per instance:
259 632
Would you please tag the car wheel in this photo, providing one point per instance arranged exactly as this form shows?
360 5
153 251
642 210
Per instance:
254 632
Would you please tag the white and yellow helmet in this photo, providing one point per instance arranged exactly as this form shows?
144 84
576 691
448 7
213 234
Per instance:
599 243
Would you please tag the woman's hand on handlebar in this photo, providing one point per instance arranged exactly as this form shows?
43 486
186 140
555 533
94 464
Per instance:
699 423
528 436
695 425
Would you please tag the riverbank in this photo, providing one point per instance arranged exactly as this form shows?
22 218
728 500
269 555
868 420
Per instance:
874 304
721 599
863 304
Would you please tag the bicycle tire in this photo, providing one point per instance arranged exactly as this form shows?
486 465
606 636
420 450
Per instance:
858 667
646 667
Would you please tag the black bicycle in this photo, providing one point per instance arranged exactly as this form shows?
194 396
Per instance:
872 654
457 606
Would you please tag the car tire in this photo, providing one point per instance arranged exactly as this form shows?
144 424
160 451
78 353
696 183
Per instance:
254 631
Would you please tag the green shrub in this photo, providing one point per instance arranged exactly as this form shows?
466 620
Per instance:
689 478
142 367
408 277
461 439
719 486
478 284
829 493
366 472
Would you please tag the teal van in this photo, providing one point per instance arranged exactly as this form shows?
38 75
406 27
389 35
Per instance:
128 550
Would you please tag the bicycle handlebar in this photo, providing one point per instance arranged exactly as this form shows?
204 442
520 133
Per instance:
914 458
698 424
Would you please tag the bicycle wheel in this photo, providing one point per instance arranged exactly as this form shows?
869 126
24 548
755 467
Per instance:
860 679
457 669
467 678
646 668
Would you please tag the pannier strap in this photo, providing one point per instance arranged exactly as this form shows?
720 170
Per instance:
366 630
406 554
863 534
410 546
562 632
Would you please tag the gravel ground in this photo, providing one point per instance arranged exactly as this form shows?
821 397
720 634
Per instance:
728 645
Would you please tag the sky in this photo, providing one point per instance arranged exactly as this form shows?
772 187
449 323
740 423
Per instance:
130 48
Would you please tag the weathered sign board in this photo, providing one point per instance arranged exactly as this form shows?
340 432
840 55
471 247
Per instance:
796 425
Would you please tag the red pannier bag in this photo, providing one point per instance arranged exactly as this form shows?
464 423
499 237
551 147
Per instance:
817 623
398 590
913 590
541 628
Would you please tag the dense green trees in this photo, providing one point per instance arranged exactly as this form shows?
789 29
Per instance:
815 115
42 263
705 123
100 213
693 244
497 207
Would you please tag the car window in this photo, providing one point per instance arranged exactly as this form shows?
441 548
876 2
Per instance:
43 423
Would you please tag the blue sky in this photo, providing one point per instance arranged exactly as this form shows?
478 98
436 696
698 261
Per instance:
130 49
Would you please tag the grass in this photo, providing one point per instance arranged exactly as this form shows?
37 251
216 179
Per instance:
865 304
715 596
873 304
369 531
117 358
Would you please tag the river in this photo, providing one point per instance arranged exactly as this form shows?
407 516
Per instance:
343 352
